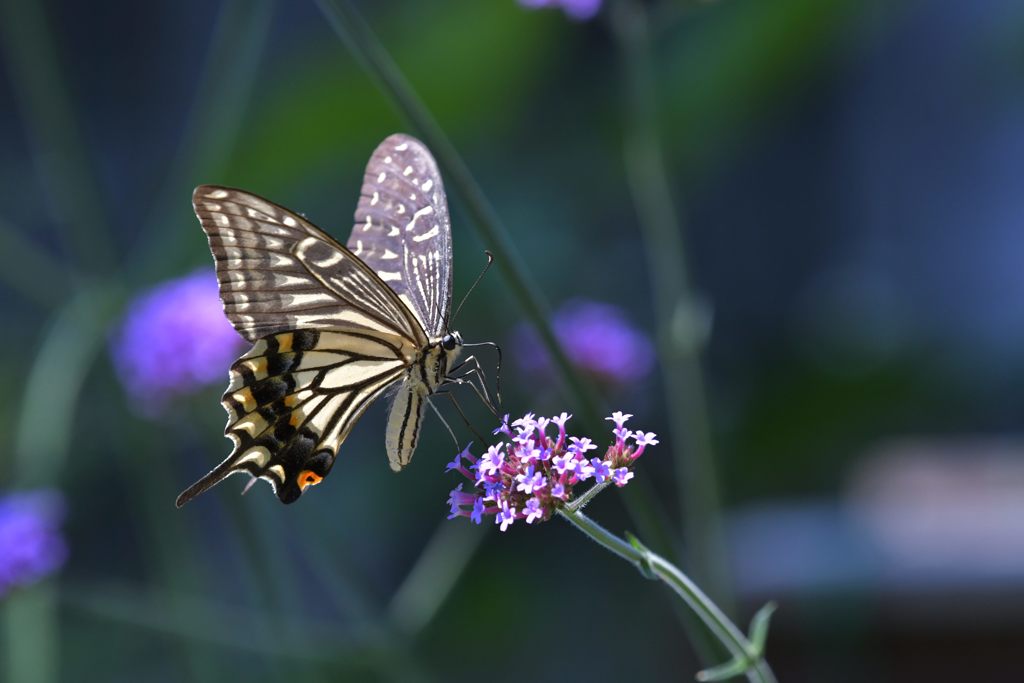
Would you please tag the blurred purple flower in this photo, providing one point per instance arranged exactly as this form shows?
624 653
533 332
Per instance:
174 340
580 10
31 546
511 481
598 339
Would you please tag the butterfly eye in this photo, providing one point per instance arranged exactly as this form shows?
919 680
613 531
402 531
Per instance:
308 478
449 342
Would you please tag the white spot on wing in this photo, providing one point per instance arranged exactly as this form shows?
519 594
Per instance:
313 299
290 221
388 276
407 171
375 199
258 455
394 231
402 147
425 211
381 177
388 254
331 260
285 280
218 194
433 232
427 185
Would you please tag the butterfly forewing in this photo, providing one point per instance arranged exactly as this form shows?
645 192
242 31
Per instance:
402 229
278 272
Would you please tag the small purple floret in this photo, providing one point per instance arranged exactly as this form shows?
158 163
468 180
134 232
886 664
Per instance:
530 481
533 510
506 516
477 515
621 476
601 469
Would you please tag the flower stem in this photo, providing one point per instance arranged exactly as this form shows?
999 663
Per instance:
652 564
587 496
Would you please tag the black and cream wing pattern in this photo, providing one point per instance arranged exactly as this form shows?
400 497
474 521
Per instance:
332 327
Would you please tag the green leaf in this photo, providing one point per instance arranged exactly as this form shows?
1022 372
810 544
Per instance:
644 563
759 630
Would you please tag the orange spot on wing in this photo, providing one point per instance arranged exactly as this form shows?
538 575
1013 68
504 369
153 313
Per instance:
245 398
308 478
284 342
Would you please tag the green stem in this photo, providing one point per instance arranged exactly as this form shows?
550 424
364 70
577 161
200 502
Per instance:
678 317
30 630
69 348
648 563
363 44
42 443
587 496
431 580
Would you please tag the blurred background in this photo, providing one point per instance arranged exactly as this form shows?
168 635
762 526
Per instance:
844 177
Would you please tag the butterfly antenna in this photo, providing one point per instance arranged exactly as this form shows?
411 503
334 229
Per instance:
490 261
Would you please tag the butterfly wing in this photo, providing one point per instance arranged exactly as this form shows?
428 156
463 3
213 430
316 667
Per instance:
329 337
293 399
402 229
279 272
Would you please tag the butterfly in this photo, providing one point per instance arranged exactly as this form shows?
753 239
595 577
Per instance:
333 327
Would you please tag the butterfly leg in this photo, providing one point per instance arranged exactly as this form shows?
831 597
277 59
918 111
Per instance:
462 414
472 369
441 417
497 351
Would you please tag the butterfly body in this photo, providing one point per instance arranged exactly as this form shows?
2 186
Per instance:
333 327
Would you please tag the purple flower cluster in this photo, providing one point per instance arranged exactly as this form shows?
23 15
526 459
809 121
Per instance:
598 338
580 10
174 340
31 546
530 472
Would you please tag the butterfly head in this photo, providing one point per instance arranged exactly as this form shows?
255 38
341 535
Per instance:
451 341
300 476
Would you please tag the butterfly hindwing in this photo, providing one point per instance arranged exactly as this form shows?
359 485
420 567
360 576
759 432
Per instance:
402 229
293 399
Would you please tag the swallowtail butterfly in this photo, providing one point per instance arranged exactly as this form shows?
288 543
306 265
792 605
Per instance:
333 327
